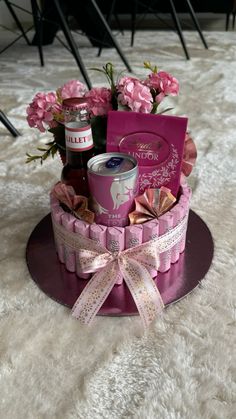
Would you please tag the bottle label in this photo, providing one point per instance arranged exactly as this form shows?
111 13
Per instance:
78 138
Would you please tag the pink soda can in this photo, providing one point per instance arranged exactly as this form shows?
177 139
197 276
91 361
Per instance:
113 184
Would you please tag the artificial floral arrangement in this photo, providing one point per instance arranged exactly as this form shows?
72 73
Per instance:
124 93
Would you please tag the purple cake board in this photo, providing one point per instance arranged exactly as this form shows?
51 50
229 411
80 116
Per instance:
56 282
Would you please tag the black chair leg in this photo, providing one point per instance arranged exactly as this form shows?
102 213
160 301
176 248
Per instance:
178 28
195 21
8 124
71 43
119 26
227 21
38 29
19 25
133 21
109 32
108 18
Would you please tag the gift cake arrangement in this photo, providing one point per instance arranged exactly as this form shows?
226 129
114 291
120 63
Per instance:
120 209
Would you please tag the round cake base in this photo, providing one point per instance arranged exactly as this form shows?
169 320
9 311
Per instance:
64 287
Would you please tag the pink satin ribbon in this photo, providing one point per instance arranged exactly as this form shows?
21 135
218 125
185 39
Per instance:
133 264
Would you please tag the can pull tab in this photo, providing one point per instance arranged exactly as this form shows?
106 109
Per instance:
114 162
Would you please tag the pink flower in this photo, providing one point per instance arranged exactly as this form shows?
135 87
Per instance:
99 99
134 94
40 111
169 85
164 84
73 88
153 81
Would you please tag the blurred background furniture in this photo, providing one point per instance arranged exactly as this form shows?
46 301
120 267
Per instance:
231 11
152 7
5 121
23 33
88 12
50 16
95 18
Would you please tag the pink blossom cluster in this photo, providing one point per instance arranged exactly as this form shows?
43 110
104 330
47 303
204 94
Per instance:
40 112
45 111
73 88
134 94
99 100
140 96
163 84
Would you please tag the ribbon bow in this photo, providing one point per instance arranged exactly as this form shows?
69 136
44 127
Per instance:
133 264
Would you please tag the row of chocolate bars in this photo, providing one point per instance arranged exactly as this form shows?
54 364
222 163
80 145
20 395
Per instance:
116 238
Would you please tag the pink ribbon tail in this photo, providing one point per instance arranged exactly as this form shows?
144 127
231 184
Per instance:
95 293
142 288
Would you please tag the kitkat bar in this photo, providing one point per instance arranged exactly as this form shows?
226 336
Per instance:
82 228
68 222
98 234
57 213
150 232
178 214
184 204
165 224
116 243
133 235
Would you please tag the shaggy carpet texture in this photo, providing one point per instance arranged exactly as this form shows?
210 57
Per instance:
184 366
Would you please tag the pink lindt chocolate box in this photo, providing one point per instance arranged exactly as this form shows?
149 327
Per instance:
156 141
120 238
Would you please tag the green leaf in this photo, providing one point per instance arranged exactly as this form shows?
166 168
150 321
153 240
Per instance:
149 66
54 150
31 158
165 110
41 149
96 69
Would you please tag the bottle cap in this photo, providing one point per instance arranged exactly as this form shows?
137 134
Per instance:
74 104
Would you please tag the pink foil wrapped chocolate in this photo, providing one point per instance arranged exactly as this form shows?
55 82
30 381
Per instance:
77 204
133 236
184 204
151 204
98 233
178 214
150 232
165 224
57 214
68 222
82 228
116 243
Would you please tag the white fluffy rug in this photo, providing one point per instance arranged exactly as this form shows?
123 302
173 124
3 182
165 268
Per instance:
184 367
